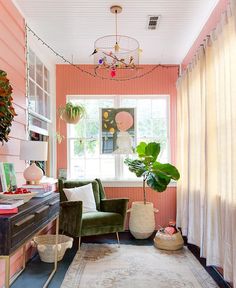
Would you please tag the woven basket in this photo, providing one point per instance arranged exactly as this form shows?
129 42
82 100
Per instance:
168 242
70 120
46 246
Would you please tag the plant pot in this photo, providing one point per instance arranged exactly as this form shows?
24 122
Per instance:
70 120
142 220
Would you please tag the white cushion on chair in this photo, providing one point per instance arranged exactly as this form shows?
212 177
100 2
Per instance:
82 193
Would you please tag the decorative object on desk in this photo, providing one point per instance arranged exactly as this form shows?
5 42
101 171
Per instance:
7 203
41 189
157 176
116 56
20 193
71 114
118 130
7 111
46 246
3 183
10 176
33 151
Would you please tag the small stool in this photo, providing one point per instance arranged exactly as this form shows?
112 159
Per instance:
166 241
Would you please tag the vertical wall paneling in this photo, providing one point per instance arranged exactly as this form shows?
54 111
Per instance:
12 60
164 202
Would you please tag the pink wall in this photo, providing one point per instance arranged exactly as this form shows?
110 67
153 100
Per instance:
162 81
211 23
165 202
70 81
12 60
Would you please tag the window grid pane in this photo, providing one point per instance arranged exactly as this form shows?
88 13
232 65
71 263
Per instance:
85 159
39 86
85 143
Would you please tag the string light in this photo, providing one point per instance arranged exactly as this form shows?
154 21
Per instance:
151 70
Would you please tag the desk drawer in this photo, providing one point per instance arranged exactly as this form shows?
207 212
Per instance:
22 223
22 227
16 229
41 213
54 207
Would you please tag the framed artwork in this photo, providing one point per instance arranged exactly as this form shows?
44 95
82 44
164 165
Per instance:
118 134
8 177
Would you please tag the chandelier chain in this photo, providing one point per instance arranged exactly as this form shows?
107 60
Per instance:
116 27
94 75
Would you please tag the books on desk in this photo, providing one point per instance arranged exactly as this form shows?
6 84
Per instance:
42 189
43 194
9 211
10 203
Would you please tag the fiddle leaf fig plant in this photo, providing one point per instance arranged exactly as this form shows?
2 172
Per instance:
155 174
7 111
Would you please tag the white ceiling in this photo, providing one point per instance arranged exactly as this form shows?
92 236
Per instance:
72 26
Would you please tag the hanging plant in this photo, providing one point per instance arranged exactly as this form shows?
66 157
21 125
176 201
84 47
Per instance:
7 111
71 114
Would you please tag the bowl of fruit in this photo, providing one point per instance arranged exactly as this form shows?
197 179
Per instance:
20 193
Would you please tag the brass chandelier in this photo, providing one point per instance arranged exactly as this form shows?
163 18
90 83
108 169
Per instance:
116 56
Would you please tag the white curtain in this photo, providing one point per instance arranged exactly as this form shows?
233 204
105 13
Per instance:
206 149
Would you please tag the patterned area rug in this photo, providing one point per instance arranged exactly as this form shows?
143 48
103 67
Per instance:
130 266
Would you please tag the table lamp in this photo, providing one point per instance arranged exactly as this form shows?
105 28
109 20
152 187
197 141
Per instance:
33 151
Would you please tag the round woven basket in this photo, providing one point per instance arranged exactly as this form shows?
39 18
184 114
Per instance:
46 246
168 242
70 120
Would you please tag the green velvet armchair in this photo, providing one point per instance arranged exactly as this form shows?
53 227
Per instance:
109 218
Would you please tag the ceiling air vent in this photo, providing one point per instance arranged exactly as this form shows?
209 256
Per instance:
153 22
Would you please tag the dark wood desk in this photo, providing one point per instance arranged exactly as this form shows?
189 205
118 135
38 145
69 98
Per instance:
17 229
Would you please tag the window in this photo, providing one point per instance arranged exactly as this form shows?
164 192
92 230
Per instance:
38 95
84 157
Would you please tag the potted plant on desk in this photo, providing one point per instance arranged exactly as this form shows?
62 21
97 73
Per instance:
157 176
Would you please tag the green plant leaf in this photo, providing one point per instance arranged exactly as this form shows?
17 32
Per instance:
136 166
140 149
166 169
7 111
156 183
72 111
156 175
153 149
